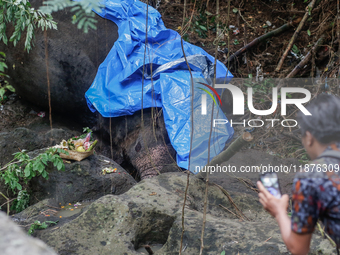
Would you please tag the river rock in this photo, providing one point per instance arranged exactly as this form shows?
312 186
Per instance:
81 181
29 140
14 241
151 213
73 61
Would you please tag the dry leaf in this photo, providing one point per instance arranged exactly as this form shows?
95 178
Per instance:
153 194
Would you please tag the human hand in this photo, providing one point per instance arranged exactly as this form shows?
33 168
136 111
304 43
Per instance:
273 205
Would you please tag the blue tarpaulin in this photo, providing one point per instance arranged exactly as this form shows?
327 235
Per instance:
117 88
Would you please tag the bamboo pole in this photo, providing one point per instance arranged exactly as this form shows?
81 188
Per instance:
261 39
297 31
306 58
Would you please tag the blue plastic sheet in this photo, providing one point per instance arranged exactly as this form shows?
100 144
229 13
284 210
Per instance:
117 88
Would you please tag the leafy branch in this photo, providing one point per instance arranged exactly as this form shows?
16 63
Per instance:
6 86
83 11
22 169
38 225
24 18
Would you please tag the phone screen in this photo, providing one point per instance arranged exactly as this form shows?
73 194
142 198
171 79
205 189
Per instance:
271 182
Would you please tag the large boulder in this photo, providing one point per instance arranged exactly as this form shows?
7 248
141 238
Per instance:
27 139
81 181
14 241
73 60
150 213
30 140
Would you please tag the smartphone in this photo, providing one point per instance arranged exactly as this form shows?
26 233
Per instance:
271 182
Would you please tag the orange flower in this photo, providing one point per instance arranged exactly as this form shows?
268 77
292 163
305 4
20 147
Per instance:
69 203
62 207
60 216
71 209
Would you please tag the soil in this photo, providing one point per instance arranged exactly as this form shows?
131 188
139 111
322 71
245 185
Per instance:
253 19
15 112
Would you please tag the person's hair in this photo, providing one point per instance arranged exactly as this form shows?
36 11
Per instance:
324 123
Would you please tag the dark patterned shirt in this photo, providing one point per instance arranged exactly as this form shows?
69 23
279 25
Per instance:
316 195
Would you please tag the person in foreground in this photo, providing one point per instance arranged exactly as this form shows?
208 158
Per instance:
315 194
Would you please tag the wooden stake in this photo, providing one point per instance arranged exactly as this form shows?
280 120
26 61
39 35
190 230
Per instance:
297 31
307 58
261 39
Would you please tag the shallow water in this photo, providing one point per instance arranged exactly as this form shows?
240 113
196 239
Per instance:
70 209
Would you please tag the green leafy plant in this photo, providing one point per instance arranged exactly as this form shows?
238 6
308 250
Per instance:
22 169
6 85
21 202
24 18
236 42
200 29
86 130
83 11
295 49
38 225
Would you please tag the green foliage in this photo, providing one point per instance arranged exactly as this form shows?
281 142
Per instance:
200 29
201 24
21 202
38 225
83 11
3 65
22 169
3 89
6 85
86 130
295 49
24 18
236 42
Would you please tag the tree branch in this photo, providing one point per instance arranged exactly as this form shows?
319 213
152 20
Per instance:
297 31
